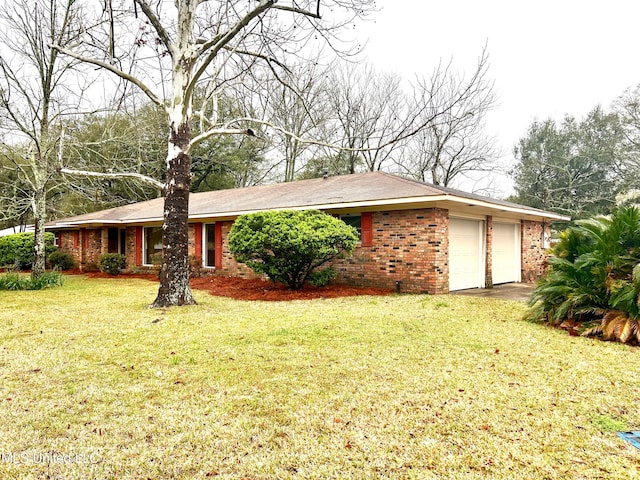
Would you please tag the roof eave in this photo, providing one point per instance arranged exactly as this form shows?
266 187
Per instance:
403 202
395 202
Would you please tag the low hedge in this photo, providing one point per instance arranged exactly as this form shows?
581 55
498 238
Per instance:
17 250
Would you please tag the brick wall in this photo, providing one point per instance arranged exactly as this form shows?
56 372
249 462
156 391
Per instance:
97 243
229 265
488 246
534 256
409 247
69 241
92 240
104 241
130 247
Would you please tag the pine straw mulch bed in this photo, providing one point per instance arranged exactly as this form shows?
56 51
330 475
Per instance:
254 289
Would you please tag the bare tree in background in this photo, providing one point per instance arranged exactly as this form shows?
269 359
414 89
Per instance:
168 48
455 143
296 100
33 97
370 114
131 139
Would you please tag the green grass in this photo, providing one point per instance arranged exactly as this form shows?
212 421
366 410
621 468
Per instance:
413 387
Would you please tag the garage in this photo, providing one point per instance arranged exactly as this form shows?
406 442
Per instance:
505 264
466 254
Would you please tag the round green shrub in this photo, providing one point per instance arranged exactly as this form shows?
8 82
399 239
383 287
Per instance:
112 263
61 260
289 245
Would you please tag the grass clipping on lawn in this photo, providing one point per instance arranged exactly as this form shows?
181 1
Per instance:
96 385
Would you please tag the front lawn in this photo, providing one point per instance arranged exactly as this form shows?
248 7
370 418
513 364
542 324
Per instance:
95 385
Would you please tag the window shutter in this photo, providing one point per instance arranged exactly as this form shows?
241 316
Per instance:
218 240
367 229
197 239
138 246
76 238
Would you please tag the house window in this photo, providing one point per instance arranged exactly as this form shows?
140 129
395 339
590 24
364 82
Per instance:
116 240
123 242
56 239
152 245
209 245
354 221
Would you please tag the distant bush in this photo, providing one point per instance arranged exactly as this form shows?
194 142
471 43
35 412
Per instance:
17 249
289 245
91 267
61 260
17 281
112 263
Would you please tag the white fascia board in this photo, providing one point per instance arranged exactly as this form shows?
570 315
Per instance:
84 222
105 222
505 208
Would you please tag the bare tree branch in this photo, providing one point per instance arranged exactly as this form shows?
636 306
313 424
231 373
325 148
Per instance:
212 48
306 13
116 71
136 176
157 25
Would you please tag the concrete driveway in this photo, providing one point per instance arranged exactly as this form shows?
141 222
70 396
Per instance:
506 291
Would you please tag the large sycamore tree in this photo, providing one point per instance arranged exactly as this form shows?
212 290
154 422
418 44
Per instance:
171 49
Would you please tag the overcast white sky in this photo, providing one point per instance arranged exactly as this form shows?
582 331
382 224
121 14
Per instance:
548 58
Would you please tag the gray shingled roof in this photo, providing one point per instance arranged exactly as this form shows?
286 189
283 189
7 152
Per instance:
357 190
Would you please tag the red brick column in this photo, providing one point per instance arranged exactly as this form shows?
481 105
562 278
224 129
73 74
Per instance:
130 247
488 245
70 242
534 255
104 240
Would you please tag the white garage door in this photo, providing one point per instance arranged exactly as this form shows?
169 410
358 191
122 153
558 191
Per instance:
466 254
505 257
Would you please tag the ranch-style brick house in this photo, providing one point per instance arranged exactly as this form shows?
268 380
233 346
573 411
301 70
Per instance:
414 237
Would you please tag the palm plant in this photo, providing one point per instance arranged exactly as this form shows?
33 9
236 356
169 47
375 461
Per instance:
594 276
623 322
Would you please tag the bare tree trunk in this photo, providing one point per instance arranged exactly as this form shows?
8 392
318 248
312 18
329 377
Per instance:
174 274
39 207
175 289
